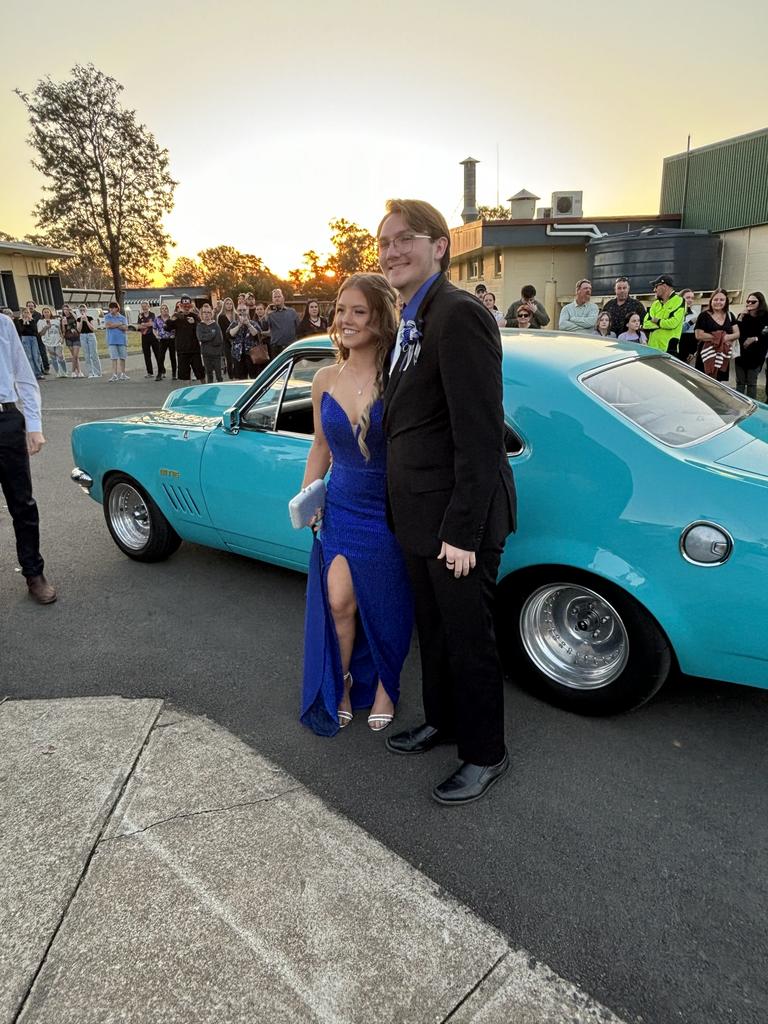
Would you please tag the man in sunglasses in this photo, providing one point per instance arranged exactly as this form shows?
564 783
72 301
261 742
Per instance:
451 494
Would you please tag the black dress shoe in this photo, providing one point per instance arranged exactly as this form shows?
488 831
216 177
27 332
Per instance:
417 740
470 782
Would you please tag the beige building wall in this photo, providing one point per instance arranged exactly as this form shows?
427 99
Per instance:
561 266
745 261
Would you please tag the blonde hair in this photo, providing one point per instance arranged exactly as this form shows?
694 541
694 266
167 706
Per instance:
380 297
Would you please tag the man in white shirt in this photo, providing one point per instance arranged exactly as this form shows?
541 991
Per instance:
21 436
581 314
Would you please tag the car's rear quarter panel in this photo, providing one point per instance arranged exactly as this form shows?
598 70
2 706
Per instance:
620 516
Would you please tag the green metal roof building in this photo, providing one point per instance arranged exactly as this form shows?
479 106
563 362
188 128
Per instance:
721 187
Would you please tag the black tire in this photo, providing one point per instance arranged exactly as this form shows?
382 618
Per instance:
550 620
136 524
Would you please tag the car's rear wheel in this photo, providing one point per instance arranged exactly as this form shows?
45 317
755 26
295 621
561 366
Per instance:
580 642
137 525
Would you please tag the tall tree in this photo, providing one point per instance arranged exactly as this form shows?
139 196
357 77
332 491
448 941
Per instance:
224 268
107 179
185 273
354 248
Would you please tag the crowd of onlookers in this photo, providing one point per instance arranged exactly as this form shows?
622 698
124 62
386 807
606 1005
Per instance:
710 337
237 338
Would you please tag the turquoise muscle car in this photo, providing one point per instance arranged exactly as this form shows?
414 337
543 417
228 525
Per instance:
642 545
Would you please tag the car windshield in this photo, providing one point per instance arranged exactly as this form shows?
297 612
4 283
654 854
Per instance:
665 397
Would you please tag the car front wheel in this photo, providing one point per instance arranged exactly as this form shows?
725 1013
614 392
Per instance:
137 525
581 643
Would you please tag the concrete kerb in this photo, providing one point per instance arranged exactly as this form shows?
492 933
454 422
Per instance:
219 888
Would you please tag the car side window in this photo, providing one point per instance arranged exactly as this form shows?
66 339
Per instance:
262 413
295 415
285 404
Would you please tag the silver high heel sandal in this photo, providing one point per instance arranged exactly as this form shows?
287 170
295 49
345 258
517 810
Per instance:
377 723
345 717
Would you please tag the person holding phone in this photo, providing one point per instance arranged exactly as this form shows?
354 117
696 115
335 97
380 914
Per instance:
86 326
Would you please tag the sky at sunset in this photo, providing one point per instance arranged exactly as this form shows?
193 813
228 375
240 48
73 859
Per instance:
281 116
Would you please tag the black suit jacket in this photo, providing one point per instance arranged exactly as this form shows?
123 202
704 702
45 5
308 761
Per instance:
447 470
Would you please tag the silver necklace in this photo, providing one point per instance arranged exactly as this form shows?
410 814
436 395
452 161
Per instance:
357 382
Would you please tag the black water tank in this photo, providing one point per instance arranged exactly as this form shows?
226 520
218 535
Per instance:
691 257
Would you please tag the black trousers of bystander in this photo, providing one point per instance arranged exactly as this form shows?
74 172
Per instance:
16 483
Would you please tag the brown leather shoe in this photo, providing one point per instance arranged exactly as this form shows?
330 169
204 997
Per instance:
41 590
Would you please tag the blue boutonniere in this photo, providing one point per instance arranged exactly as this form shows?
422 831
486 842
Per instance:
410 344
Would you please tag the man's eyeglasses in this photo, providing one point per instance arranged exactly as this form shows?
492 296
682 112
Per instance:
402 244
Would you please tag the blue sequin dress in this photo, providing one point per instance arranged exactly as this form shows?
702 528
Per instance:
355 525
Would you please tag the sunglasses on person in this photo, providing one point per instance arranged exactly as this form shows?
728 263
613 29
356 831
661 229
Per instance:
751 302
523 316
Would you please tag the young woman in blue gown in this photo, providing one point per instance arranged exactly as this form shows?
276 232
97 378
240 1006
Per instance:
359 605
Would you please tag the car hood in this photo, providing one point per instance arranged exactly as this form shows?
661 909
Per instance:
206 399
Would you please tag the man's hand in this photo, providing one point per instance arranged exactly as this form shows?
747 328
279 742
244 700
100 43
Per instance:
457 561
35 441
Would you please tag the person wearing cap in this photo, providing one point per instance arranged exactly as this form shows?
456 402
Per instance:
183 322
664 320
21 435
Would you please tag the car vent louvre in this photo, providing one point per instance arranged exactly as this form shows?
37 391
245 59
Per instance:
181 499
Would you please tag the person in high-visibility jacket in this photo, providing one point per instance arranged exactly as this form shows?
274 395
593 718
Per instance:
664 320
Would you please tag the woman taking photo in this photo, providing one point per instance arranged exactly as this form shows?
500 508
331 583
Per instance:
71 334
86 325
311 322
227 316
753 342
359 604
49 329
716 330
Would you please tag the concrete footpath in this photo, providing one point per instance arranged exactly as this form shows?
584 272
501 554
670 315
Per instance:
157 869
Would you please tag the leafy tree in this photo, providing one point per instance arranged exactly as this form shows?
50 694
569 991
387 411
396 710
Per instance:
355 250
107 180
225 269
185 273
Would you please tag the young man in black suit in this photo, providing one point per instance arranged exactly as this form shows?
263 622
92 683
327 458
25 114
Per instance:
451 494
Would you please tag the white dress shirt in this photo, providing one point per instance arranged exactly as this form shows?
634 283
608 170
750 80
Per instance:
17 379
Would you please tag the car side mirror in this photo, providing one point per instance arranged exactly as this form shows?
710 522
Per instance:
230 420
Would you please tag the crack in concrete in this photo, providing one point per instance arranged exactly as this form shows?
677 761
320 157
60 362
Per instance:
196 814
467 995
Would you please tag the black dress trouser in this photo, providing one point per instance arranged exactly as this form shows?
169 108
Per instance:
462 679
150 346
16 483
189 361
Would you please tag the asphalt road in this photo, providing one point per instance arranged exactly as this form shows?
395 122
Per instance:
629 853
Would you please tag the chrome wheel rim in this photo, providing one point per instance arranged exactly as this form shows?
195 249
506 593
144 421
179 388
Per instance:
574 636
129 516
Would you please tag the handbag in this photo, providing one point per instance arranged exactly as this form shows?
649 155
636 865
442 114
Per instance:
306 504
71 332
259 354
